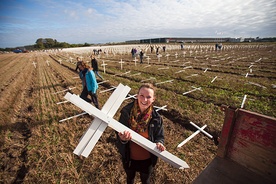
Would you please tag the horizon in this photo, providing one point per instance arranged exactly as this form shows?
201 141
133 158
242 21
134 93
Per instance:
133 40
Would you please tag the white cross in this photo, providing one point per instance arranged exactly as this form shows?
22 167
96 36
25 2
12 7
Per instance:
135 74
135 60
192 90
203 131
151 78
243 101
72 117
121 62
70 59
123 73
166 68
191 136
110 89
165 82
148 58
103 118
34 64
167 55
160 108
187 67
103 65
195 133
214 79
103 82
159 57
191 75
64 90
256 84
180 71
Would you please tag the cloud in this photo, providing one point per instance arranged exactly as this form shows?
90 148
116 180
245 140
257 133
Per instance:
120 20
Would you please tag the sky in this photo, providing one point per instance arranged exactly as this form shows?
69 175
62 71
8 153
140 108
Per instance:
22 22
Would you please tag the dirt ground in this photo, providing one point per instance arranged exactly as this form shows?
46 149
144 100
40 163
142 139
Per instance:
37 148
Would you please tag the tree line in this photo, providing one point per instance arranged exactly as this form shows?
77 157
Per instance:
46 43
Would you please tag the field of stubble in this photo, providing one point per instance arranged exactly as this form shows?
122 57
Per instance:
37 148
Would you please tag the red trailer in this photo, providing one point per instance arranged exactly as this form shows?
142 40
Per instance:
246 152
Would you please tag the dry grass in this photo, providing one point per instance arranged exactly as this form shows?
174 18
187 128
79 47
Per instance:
36 148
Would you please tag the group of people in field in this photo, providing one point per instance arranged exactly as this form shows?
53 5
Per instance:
139 115
141 53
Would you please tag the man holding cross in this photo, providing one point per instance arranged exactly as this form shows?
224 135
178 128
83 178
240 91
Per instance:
141 117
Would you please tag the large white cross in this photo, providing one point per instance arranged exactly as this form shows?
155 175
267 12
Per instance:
104 118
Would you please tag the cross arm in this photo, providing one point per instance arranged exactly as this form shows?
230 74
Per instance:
117 126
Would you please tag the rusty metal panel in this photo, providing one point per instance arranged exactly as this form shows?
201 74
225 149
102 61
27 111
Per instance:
253 143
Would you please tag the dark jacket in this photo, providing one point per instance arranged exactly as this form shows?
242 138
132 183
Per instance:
155 128
94 64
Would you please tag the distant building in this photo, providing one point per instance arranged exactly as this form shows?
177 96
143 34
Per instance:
236 39
132 41
249 39
186 40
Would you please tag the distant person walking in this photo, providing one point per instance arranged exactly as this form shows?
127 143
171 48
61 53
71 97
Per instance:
133 52
78 62
94 64
89 84
141 56
157 50
151 49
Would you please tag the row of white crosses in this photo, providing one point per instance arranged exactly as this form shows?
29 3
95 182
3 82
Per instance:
104 118
179 71
159 108
125 49
134 96
253 83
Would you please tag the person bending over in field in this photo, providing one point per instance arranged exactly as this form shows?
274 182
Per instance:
89 83
142 118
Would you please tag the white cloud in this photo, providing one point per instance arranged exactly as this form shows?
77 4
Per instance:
119 20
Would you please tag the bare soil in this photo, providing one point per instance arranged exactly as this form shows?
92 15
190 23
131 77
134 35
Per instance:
37 148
